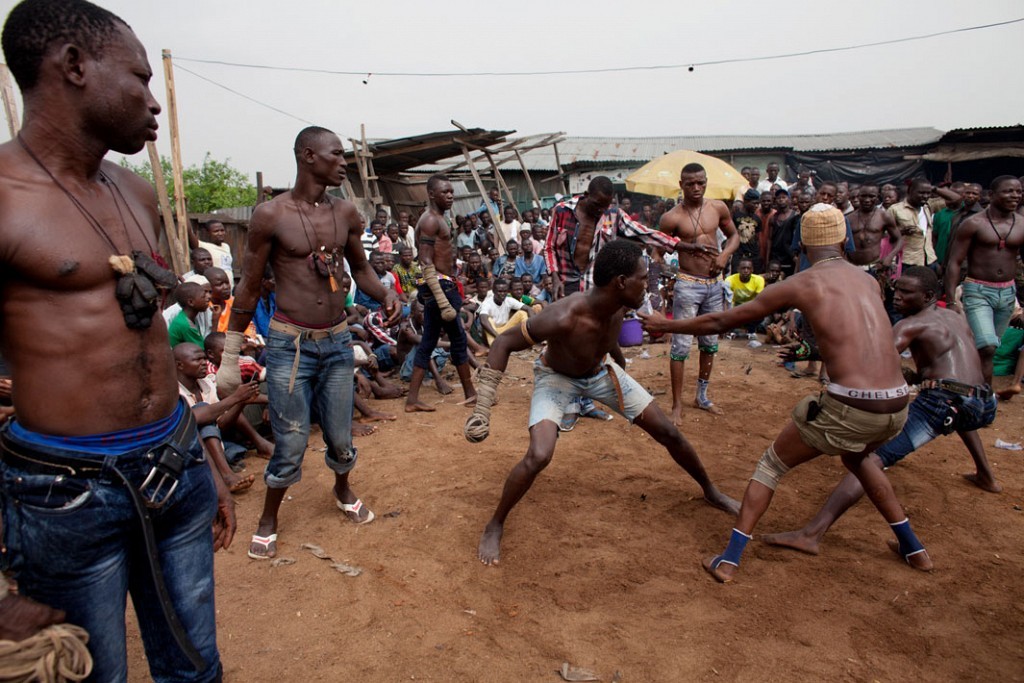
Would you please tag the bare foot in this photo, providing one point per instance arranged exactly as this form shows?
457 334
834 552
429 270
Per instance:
716 498
709 407
723 573
22 617
444 388
984 483
920 561
796 540
677 416
377 416
264 449
1007 394
419 407
390 392
359 429
238 483
489 550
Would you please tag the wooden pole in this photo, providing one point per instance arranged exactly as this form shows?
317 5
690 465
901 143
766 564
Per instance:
558 162
176 168
179 252
10 106
502 187
483 195
259 187
529 180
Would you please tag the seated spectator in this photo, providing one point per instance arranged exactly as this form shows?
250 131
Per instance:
192 300
387 278
474 269
505 265
371 238
745 286
266 305
509 224
407 271
220 298
200 259
410 336
529 262
200 392
545 291
517 291
205 319
501 312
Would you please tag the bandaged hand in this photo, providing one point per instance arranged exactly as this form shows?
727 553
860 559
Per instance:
478 425
229 376
430 277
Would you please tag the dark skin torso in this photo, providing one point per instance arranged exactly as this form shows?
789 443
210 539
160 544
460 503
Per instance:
698 225
977 242
585 235
77 368
279 233
441 253
579 334
868 228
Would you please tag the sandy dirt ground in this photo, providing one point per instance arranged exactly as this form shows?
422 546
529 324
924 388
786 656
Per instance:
600 564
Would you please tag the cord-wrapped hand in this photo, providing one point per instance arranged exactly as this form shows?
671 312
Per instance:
229 376
478 425
430 276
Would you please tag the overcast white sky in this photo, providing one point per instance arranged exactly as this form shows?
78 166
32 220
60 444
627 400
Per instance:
962 80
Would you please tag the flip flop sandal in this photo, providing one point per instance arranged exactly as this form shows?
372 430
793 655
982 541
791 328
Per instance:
265 542
356 507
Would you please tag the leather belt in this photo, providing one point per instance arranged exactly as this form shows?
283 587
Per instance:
980 391
300 334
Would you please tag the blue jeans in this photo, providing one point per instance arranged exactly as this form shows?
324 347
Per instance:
988 310
693 296
433 323
323 382
76 545
925 420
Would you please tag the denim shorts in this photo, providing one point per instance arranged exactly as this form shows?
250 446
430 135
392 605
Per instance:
988 310
553 392
323 382
75 545
926 418
693 296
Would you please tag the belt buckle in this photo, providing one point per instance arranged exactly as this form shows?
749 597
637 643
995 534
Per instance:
167 468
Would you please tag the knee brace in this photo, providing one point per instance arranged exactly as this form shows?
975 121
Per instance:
770 469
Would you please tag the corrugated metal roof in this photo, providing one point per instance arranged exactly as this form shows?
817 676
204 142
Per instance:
592 150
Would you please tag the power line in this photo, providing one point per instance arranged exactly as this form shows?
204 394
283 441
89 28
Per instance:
243 95
567 72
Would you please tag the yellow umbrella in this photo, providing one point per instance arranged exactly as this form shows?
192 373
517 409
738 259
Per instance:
660 177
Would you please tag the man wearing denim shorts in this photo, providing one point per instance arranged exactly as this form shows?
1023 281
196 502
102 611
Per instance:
864 404
695 222
954 398
580 331
99 426
305 234
989 241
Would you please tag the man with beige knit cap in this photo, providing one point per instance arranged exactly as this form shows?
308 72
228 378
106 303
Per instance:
862 407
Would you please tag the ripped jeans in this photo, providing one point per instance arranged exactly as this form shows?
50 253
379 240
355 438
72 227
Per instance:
323 382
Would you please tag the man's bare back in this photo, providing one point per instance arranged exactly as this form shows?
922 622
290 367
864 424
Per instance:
942 345
77 368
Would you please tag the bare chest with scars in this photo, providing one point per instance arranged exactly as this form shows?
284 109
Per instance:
697 224
585 231
308 261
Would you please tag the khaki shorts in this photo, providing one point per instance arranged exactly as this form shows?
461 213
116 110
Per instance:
839 428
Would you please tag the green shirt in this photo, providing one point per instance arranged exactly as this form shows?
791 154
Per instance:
181 330
942 225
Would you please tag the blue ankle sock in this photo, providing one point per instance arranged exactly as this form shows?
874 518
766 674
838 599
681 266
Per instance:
702 392
909 544
733 551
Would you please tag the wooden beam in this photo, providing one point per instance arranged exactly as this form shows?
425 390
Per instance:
487 202
259 187
10 105
558 162
529 180
176 168
502 187
179 252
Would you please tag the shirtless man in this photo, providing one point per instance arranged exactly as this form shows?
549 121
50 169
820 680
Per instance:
439 294
695 222
580 331
304 234
868 224
864 405
989 241
89 414
953 398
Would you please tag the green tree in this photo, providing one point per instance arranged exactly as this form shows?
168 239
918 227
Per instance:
214 185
